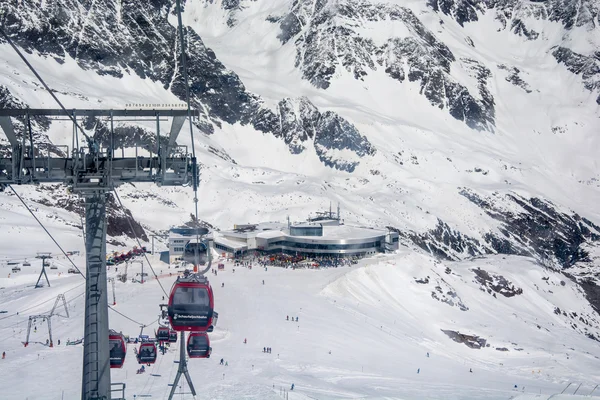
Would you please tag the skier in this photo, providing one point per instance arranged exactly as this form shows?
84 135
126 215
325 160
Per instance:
292 387
427 354
287 318
59 342
245 341
418 370
223 284
3 355
264 349
470 369
296 319
221 361
226 363
263 281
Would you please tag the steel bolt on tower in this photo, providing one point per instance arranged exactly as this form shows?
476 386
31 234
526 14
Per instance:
93 173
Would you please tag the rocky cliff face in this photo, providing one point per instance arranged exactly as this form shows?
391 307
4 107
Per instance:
116 38
327 36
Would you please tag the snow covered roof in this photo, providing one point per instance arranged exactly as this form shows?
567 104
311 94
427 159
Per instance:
234 244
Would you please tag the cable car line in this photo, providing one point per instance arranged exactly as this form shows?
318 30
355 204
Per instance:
44 84
43 227
138 242
125 316
39 304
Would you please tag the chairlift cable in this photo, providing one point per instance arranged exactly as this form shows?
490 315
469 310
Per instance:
39 304
125 316
43 227
189 114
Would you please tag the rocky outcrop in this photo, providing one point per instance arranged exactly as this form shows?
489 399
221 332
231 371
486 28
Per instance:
330 39
588 67
117 39
495 283
472 341
300 122
118 219
583 13
39 126
539 229
514 77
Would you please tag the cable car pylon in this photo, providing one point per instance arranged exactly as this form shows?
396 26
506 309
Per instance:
182 370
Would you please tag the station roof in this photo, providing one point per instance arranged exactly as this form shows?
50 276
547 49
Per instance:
233 244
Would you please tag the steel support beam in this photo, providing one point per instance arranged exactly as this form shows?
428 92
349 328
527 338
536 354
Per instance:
16 112
8 128
96 365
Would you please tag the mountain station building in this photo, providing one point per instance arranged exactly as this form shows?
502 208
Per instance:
325 235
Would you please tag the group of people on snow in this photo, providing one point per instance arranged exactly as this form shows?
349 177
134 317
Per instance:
287 318
266 350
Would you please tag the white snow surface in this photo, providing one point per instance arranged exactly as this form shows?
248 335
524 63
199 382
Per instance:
375 319
377 322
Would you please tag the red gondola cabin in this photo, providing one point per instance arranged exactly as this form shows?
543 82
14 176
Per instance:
118 349
162 334
147 353
191 305
198 345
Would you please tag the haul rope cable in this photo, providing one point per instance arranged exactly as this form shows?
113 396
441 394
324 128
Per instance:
39 304
43 83
43 227
189 114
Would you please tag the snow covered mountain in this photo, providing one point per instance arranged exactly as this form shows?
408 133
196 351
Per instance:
468 126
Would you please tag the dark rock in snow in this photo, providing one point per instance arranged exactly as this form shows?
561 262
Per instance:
497 283
586 66
472 341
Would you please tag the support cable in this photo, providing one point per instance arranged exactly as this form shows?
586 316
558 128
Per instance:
8 39
189 114
43 227
125 316
39 304
139 243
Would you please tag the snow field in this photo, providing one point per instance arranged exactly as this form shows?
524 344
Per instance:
375 319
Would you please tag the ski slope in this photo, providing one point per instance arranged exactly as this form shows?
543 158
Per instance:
362 332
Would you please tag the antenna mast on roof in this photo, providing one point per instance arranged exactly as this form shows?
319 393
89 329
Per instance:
338 212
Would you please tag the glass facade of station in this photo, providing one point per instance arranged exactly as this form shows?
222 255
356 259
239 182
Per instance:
325 246
316 230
